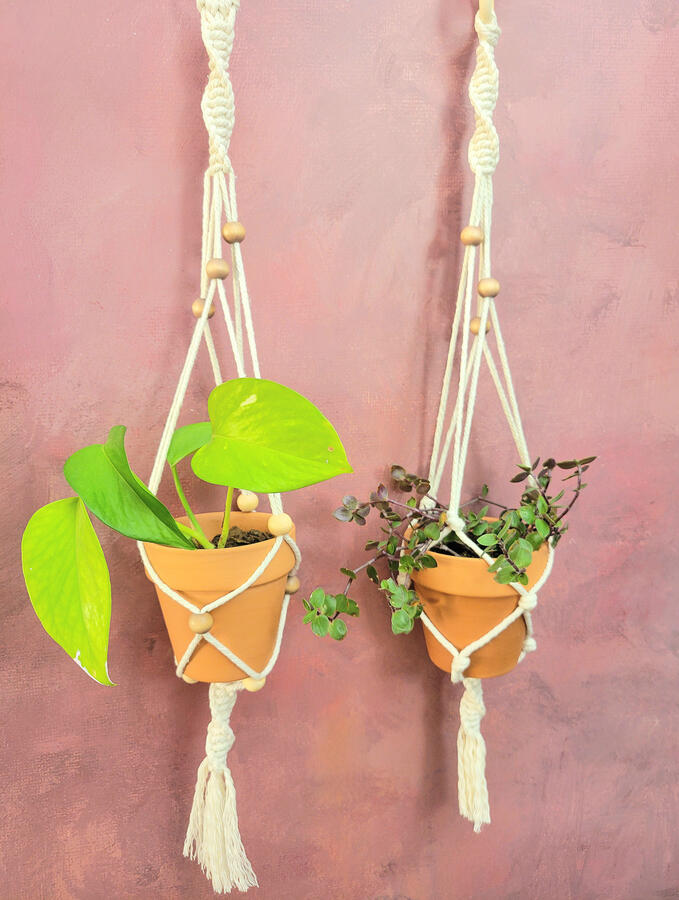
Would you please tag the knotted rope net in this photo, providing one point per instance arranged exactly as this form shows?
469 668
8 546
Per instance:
213 836
476 297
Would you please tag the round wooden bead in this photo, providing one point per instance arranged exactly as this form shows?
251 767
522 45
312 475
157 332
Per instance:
279 524
292 584
233 232
200 623
254 684
217 268
475 325
246 501
471 236
488 287
197 308
189 680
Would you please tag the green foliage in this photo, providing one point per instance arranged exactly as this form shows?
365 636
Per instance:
100 474
67 580
186 440
408 532
267 438
262 437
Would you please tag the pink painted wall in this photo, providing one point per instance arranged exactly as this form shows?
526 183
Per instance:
350 148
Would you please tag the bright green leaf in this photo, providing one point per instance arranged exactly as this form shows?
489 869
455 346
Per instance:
320 625
432 531
401 623
186 440
521 553
338 630
329 605
68 583
316 597
542 528
267 438
101 475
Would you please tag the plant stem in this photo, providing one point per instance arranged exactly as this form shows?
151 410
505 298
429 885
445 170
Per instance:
199 534
227 518
190 533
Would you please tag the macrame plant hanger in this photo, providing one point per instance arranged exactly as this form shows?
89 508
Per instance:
213 837
478 289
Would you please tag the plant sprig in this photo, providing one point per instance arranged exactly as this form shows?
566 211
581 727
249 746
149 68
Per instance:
409 532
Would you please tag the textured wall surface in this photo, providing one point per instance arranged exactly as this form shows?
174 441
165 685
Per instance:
350 147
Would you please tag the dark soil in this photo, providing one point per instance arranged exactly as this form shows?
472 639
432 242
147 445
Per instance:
239 538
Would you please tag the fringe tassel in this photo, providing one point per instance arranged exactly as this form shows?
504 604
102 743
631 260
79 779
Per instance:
471 756
213 838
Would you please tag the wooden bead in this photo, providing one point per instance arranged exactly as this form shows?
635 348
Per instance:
200 623
217 268
488 287
254 684
246 501
279 525
189 680
197 308
233 232
292 584
471 236
475 325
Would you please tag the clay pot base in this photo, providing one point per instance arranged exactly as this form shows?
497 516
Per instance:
464 602
247 624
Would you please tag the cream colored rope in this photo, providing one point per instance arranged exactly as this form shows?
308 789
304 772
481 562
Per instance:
213 837
451 441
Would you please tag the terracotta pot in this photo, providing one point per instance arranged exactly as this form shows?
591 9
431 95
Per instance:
464 602
248 624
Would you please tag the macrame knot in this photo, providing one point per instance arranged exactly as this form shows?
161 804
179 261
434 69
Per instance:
530 645
484 147
459 665
528 602
217 19
488 32
220 736
472 707
455 521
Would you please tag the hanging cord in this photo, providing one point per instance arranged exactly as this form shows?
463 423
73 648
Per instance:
213 836
476 298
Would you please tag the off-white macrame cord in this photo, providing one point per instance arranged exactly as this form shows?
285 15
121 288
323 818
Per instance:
213 836
452 439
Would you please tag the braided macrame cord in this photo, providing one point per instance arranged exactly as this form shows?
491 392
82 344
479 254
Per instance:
452 430
213 836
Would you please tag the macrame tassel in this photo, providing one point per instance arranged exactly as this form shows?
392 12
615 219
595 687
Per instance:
471 756
213 837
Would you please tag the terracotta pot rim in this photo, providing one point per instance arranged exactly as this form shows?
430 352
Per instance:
215 550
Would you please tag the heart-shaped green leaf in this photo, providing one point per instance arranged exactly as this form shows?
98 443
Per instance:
267 438
100 474
187 439
67 580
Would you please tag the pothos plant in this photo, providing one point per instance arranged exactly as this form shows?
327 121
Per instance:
262 437
410 531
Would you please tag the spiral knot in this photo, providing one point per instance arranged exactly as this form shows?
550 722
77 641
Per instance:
484 146
218 105
530 645
528 602
472 707
220 736
459 665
